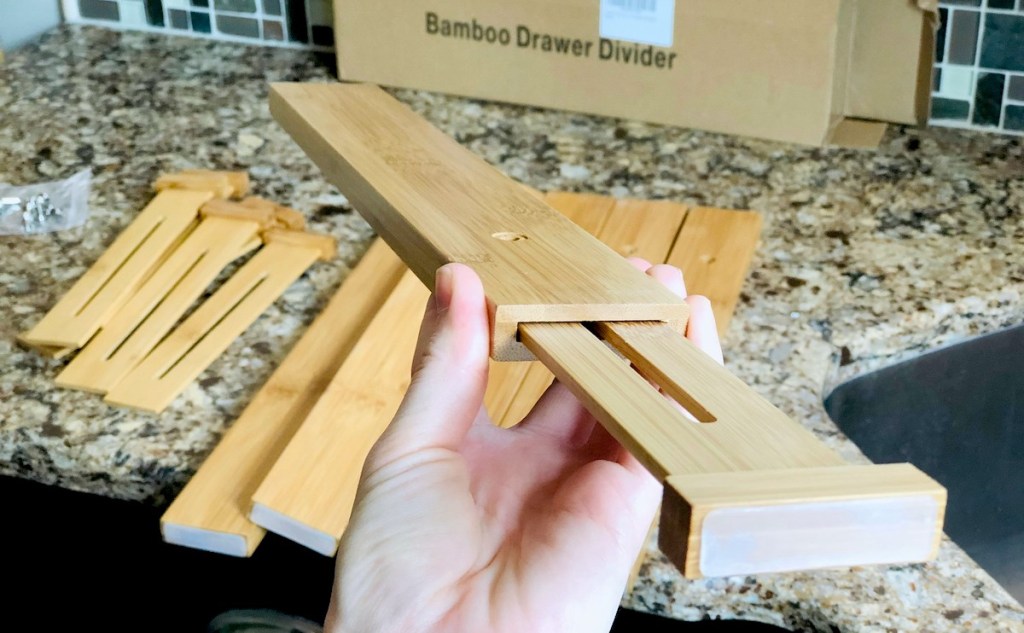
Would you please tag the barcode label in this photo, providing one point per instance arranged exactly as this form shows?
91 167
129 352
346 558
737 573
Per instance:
642 21
635 5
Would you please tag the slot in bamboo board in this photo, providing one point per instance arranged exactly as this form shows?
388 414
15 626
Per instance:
157 306
119 271
205 334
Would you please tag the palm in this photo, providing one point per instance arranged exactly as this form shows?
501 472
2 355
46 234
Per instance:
507 527
461 526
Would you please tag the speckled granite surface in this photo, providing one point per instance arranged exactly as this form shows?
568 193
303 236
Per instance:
866 257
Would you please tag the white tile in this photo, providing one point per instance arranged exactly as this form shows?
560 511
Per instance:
957 82
133 13
176 4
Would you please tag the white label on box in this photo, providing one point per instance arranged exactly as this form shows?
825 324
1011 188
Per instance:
642 21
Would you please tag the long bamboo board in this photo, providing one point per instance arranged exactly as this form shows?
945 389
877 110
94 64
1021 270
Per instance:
212 512
406 178
436 202
308 495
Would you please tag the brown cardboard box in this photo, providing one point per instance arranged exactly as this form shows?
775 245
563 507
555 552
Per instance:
809 71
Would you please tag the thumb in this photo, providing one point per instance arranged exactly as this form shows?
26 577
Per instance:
450 371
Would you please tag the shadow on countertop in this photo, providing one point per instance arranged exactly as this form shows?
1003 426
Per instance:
101 564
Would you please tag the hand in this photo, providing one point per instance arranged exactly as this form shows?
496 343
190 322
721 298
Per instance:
460 526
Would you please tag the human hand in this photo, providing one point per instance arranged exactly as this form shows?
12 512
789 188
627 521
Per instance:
460 526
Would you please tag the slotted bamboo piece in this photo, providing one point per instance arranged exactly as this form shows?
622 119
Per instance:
224 184
158 305
633 228
307 496
406 177
513 388
545 279
704 250
207 332
119 271
212 512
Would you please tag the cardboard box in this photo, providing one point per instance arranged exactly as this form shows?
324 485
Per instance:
808 71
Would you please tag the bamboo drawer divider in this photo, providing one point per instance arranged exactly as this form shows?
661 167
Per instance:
129 336
435 202
206 333
125 310
212 512
119 271
308 495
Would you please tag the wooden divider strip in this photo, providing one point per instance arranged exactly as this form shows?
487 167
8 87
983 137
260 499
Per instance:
205 334
308 494
119 271
158 305
212 512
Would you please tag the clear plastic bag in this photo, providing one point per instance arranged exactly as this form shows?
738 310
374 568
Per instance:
45 207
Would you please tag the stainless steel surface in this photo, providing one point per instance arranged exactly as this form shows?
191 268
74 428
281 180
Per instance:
958 414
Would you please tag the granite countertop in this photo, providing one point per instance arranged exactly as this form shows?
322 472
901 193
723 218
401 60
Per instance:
866 257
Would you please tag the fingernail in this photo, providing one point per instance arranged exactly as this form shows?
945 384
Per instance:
444 282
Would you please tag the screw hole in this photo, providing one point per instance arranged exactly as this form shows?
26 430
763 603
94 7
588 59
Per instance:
506 236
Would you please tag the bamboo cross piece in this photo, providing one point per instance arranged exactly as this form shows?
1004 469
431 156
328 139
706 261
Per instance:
747 489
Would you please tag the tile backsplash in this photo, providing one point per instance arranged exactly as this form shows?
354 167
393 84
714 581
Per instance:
978 80
290 23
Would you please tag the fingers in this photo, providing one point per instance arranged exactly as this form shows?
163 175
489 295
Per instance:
670 277
449 371
702 329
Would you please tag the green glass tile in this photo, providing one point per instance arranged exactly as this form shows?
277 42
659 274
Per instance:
239 6
200 22
1014 119
99 10
1002 45
988 98
243 27
950 109
272 7
297 23
179 19
155 12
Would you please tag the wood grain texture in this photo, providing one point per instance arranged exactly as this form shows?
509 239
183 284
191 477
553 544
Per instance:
644 228
714 250
217 498
513 388
313 482
223 184
635 413
633 228
436 202
735 419
158 305
119 271
206 333
690 499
